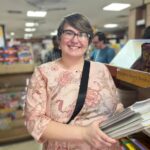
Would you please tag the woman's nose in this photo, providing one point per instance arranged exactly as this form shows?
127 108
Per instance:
75 38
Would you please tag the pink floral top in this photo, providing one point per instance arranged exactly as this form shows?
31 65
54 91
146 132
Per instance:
52 95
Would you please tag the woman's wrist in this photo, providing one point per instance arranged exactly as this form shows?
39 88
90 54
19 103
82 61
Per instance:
83 133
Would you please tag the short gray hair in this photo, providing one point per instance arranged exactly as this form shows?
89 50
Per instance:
77 21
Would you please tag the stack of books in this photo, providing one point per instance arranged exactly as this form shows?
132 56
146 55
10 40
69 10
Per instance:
133 119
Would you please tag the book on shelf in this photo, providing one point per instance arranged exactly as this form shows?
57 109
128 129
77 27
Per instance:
128 144
131 144
133 119
138 144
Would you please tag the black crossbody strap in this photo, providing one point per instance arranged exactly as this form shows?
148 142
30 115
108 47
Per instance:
82 90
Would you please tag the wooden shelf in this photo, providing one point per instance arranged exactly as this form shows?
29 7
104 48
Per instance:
143 138
13 78
138 14
140 82
135 77
16 68
15 130
12 89
13 135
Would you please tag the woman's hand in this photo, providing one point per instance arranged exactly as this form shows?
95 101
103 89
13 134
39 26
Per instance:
95 137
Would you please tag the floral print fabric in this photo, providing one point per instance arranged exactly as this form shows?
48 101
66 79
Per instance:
52 95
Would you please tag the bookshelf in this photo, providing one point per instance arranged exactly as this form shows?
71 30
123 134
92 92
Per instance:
16 68
138 81
139 19
134 77
13 85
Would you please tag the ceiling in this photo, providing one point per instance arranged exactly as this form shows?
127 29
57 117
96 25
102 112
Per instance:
13 14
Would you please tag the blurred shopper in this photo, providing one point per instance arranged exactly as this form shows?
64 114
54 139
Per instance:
102 52
147 33
43 53
143 62
56 52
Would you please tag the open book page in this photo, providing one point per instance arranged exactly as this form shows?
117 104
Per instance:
141 106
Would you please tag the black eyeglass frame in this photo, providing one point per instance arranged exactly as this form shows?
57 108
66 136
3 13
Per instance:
77 34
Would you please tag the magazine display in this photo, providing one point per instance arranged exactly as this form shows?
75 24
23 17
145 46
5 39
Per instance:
133 119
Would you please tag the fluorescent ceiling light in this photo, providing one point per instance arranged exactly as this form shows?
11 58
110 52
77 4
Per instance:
12 33
31 24
53 33
30 29
111 25
36 13
116 6
27 36
140 22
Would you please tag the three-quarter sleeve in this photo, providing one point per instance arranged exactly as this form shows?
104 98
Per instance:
36 119
114 91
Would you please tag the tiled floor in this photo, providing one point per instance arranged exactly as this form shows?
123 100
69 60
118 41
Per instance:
27 145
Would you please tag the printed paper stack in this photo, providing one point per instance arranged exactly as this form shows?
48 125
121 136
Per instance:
133 119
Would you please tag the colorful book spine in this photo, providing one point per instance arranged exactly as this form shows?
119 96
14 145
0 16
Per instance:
127 144
123 148
140 145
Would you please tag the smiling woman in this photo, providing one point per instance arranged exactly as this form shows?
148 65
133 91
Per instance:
53 92
74 34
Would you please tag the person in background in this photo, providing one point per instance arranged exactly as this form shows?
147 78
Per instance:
37 53
56 52
53 91
146 34
43 53
143 62
102 52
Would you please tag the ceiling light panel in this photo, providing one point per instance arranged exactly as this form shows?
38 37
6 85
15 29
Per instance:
27 36
31 24
111 25
30 29
36 13
116 7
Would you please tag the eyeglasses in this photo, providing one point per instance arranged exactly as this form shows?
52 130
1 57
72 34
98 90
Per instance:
69 34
